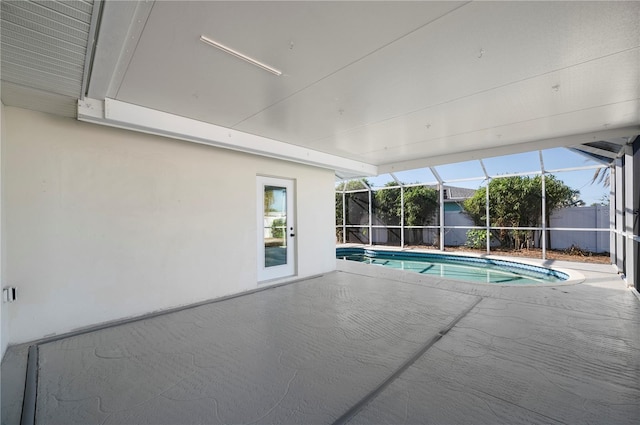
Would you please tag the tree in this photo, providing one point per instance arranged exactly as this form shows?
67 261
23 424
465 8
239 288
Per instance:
602 176
346 186
603 201
357 207
387 204
517 202
420 206
278 228
387 210
268 200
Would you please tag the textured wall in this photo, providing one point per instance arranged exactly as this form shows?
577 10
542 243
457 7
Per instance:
4 320
104 223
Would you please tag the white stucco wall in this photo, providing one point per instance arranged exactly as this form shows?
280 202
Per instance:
103 224
4 319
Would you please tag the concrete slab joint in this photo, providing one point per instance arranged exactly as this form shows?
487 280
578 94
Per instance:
360 345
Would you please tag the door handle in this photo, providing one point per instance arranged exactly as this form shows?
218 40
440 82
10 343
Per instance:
292 234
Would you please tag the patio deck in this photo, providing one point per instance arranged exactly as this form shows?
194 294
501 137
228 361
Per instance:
361 345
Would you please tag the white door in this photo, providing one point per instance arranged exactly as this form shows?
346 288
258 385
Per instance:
276 228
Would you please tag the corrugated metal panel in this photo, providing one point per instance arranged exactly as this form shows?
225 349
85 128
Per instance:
55 25
75 9
37 100
15 31
44 45
54 66
41 80
56 52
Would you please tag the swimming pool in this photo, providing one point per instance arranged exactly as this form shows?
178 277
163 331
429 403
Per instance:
474 269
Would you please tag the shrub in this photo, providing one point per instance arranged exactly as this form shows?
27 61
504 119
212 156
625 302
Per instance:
278 228
476 238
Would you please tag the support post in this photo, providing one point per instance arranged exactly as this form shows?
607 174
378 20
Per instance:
401 217
486 205
619 207
544 218
441 209
544 208
370 217
344 214
441 221
612 214
629 210
488 220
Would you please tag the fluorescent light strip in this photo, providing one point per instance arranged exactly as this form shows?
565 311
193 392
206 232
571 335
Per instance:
239 55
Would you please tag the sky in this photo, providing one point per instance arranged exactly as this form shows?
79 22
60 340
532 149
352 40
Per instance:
557 158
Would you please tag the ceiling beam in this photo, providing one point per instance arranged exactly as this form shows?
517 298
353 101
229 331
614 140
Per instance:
118 114
120 30
91 44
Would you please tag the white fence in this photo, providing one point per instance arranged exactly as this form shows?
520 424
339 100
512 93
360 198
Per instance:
573 217
456 237
581 217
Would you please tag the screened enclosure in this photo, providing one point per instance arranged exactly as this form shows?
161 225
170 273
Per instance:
555 199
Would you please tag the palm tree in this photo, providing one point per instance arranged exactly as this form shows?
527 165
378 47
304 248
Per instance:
602 176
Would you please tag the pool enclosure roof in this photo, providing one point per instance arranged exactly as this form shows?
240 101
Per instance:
362 88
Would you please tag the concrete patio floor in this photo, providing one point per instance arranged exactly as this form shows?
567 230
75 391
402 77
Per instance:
361 345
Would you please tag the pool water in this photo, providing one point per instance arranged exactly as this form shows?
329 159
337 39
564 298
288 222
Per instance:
472 269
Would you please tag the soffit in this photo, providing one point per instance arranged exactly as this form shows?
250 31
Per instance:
44 46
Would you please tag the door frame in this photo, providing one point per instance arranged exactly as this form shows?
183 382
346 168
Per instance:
266 274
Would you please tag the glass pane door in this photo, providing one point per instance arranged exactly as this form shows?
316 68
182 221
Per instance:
275 226
276 243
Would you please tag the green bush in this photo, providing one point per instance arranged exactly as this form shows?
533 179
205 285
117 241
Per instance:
476 238
516 201
278 228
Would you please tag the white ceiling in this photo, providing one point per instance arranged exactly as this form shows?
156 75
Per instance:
395 85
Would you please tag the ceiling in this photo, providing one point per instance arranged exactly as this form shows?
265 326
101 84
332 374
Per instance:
366 87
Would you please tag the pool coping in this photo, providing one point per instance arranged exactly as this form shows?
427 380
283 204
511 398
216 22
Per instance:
574 276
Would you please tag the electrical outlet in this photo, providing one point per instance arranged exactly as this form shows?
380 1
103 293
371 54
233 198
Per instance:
9 294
